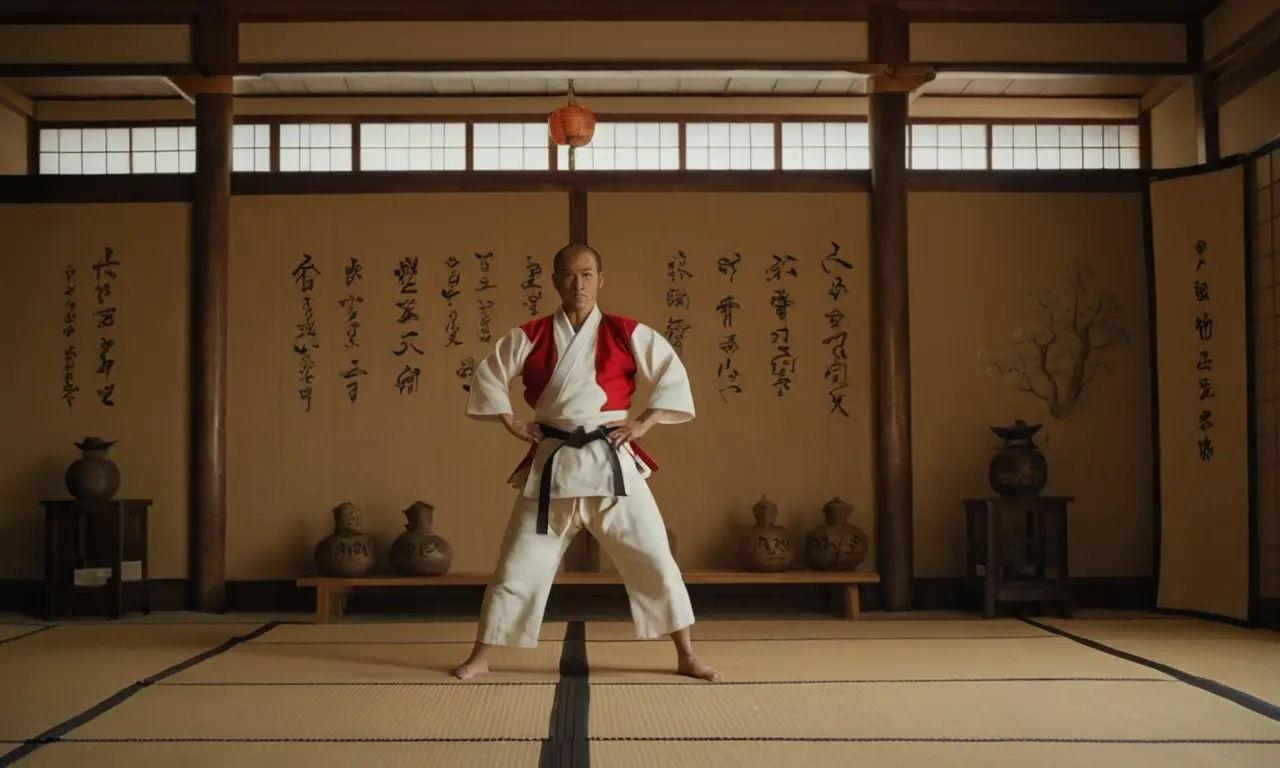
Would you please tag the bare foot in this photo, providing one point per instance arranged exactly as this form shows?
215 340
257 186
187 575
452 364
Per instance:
471 668
692 666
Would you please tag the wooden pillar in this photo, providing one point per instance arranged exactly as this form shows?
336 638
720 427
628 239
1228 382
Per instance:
216 53
584 553
889 98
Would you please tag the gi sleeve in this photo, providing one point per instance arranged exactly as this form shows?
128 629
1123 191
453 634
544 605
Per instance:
658 363
491 383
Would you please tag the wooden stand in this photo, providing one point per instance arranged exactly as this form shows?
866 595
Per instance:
1017 551
96 557
332 591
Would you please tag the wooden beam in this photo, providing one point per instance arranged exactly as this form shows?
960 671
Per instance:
215 52
890 317
16 102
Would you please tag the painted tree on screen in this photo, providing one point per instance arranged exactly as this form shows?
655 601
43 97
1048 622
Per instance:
1067 348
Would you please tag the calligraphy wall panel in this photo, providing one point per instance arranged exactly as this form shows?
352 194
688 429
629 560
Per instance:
1197 225
747 439
123 341
314 422
993 276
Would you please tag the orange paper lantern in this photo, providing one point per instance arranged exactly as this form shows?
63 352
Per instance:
573 125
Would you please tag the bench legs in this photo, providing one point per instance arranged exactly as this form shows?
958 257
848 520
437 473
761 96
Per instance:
330 601
851 602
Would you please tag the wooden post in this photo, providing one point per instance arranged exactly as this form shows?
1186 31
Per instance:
215 54
584 553
889 97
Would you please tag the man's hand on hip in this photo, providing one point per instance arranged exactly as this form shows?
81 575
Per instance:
522 430
626 430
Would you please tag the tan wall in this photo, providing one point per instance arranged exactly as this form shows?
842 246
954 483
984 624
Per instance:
1266 309
1231 20
1174 136
1252 118
976 260
553 41
95 43
13 141
946 42
149 346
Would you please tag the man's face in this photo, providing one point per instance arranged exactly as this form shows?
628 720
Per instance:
578 282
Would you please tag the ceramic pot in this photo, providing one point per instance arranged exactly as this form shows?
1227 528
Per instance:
1018 469
347 551
837 544
417 551
767 546
93 477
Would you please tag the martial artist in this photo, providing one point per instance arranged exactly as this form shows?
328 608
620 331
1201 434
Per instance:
584 467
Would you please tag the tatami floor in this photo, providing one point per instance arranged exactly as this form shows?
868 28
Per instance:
942 690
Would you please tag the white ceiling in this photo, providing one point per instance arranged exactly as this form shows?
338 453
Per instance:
586 84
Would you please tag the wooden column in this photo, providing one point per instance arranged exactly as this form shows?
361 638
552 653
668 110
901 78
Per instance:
583 555
216 53
889 98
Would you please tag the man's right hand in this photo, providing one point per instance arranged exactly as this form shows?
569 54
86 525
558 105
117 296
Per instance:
522 430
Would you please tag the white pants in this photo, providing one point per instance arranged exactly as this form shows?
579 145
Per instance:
631 531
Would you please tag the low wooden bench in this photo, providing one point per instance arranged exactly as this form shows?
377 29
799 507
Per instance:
332 591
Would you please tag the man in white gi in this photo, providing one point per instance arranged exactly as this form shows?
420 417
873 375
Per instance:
584 468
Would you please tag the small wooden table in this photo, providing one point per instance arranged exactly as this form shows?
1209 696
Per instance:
96 558
332 591
1017 551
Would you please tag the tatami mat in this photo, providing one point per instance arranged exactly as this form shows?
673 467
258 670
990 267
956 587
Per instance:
1245 659
63 671
906 629
930 659
1012 710
745 754
305 712
386 632
312 755
370 662
14 631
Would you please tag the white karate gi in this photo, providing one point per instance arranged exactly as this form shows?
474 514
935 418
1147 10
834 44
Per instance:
629 527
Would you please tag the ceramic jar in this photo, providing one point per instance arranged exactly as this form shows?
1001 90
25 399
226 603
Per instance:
93 477
767 545
837 544
417 551
347 551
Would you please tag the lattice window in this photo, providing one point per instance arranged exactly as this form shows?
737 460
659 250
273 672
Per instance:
510 147
627 147
729 147
251 148
315 147
413 147
124 150
1065 147
814 146
947 147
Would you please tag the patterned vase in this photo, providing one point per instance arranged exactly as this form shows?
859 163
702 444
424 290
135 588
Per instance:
347 551
767 546
1018 469
417 551
837 544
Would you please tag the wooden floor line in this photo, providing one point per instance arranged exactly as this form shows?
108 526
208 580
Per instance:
25 635
607 683
648 739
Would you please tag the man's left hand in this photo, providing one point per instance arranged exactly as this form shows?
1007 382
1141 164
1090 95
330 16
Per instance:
626 430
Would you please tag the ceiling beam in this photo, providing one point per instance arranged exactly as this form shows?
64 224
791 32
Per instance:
160 11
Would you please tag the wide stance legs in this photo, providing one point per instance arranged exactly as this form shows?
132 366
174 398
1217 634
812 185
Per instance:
631 531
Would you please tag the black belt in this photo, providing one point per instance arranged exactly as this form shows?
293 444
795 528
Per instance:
575 439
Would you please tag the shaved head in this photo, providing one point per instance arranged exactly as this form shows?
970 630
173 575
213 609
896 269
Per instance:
566 254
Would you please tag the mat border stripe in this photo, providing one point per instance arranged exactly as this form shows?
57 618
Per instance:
35 631
622 683
1221 690
651 739
59 731
567 745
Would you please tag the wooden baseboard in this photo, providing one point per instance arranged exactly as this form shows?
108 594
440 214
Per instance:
25 597
1268 613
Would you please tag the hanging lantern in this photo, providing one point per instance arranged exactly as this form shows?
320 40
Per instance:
571 125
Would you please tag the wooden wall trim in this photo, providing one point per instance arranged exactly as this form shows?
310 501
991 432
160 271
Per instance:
549 181
181 188
1027 181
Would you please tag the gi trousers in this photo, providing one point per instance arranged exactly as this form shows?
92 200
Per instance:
630 530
